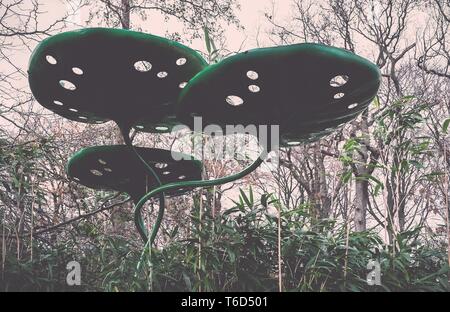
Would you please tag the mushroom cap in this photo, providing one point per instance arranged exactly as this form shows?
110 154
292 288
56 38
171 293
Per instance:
308 90
98 74
116 167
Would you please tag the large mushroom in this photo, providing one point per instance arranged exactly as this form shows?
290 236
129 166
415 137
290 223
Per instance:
115 168
308 90
98 74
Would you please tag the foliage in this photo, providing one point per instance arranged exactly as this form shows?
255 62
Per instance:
239 253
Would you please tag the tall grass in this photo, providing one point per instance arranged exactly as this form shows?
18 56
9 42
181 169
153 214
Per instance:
239 253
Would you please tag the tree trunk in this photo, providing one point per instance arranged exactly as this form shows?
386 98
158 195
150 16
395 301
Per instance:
361 184
125 18
390 212
361 203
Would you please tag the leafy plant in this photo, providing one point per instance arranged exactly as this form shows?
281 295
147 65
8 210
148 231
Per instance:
237 251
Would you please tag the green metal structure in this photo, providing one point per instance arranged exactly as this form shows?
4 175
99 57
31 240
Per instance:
115 168
150 84
95 75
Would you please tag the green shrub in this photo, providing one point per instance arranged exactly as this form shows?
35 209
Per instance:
239 253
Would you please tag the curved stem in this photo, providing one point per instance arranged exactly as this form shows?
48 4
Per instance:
185 184
141 225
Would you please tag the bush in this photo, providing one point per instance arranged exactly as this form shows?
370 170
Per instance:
237 251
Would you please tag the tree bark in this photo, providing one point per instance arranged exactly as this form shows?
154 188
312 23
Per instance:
361 202
125 18
362 170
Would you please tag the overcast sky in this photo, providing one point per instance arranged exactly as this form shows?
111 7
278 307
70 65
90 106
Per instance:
251 17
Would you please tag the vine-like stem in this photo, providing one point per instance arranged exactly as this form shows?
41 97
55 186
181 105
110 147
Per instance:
139 222
125 130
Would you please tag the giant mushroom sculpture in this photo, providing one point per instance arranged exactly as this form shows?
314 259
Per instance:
97 74
151 84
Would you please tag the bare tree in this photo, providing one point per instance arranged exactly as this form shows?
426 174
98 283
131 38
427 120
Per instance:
385 29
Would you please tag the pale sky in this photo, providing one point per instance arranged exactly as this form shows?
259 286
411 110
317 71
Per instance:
251 17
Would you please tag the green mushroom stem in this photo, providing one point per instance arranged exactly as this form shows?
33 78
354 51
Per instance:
141 226
138 220
129 143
